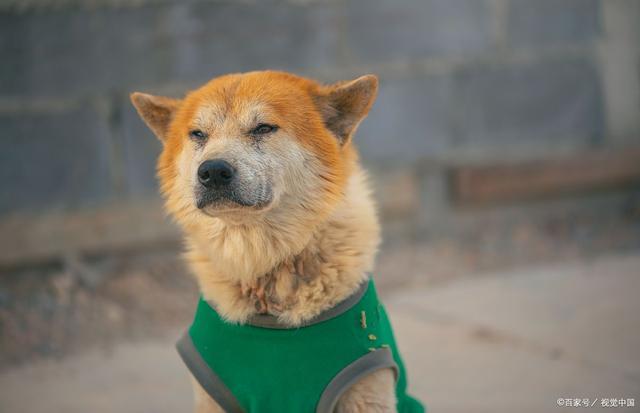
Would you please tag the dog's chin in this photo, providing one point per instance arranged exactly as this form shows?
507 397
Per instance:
233 210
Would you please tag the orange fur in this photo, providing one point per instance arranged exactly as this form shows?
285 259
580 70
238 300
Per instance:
294 110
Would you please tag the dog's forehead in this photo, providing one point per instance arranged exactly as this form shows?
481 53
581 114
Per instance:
246 98
214 113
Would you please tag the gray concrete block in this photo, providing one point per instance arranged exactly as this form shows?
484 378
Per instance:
548 22
410 120
141 150
382 30
619 54
231 37
543 103
51 161
13 53
78 51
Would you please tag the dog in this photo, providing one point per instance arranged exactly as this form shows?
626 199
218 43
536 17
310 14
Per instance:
260 171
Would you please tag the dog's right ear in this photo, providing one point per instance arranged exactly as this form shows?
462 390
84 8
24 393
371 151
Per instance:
155 111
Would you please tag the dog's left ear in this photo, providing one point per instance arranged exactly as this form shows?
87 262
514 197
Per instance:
343 105
156 111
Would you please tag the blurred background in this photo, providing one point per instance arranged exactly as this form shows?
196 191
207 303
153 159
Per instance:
504 149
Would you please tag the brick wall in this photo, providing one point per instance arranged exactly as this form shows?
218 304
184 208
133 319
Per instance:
462 81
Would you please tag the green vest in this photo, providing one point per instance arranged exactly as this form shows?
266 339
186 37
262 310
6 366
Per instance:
265 367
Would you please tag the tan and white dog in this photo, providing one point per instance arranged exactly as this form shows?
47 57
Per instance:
260 171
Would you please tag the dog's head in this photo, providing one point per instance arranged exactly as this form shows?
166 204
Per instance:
246 144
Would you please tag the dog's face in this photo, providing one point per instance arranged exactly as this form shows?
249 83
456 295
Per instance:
245 144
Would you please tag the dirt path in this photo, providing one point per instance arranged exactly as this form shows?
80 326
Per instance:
513 341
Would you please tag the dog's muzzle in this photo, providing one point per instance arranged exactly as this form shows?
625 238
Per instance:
219 185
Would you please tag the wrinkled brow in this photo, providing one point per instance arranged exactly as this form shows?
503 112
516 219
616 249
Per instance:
253 113
209 116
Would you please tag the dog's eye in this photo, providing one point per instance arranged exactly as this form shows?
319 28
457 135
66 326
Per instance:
197 135
263 129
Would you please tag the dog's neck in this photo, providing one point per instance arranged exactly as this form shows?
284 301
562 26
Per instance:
291 267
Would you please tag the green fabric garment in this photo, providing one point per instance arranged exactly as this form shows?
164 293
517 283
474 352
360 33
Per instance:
271 370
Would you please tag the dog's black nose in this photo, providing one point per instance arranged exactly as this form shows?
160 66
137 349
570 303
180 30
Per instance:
215 173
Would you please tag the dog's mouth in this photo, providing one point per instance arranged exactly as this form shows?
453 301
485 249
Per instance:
214 203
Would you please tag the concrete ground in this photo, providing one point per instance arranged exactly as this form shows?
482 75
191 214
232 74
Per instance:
516 341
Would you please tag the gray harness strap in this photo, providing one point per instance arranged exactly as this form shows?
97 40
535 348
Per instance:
367 364
209 381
